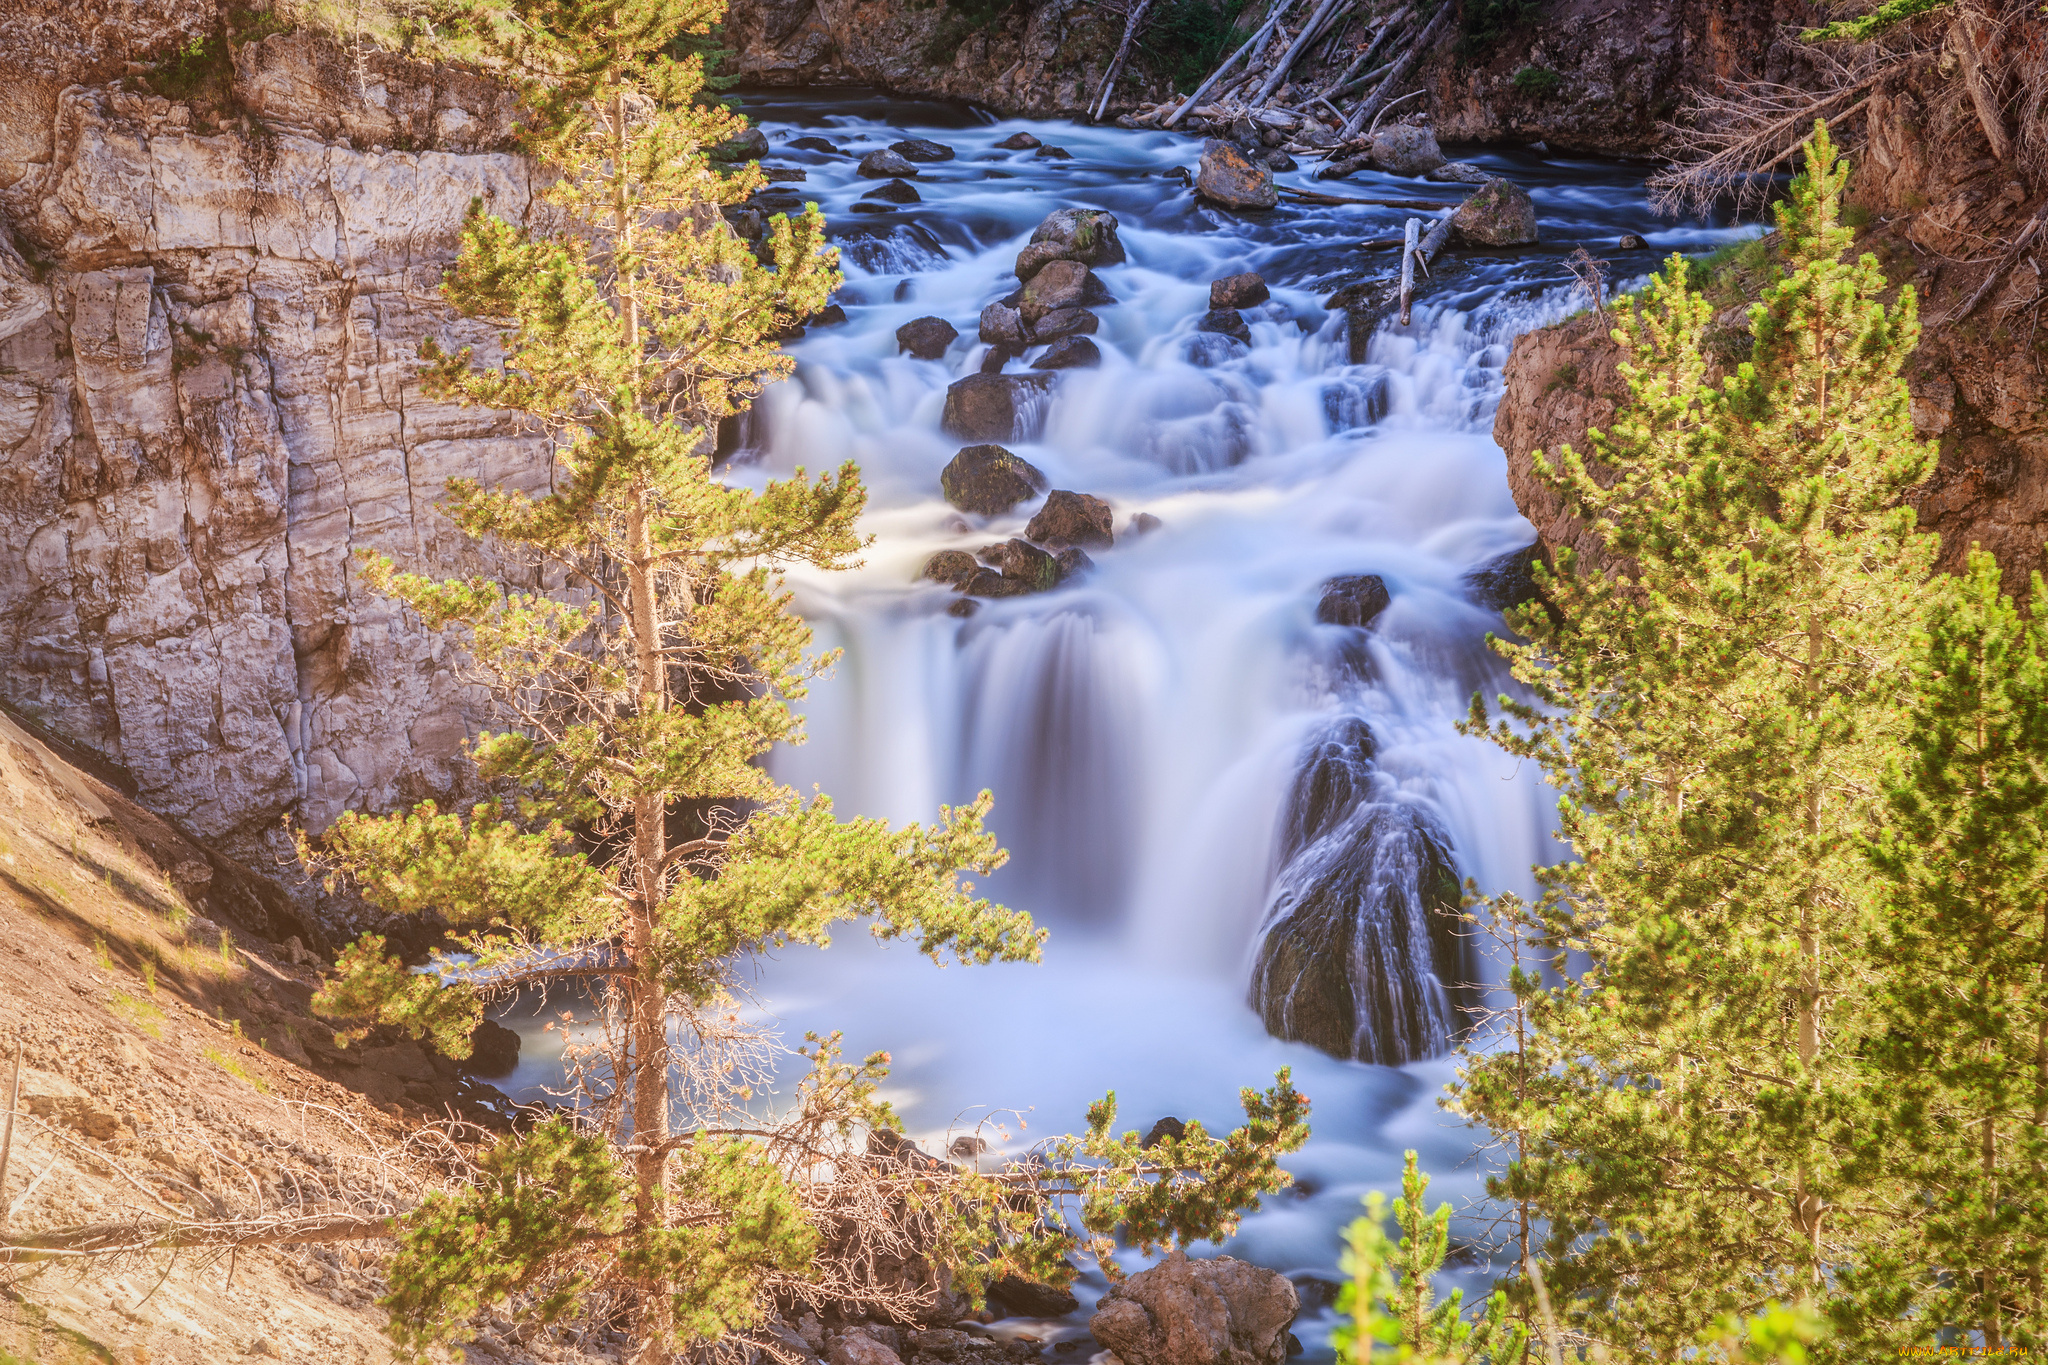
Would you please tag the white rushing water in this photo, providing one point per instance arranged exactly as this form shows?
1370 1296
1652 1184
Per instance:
1141 728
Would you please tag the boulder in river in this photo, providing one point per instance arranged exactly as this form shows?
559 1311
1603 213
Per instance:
921 149
1018 142
1051 153
1002 326
493 1050
1215 1311
949 566
926 338
895 192
1061 284
814 144
1226 321
1085 235
1066 322
989 480
883 164
1074 562
1037 257
1239 291
1228 179
1406 149
1507 581
986 407
1029 1299
1353 599
1070 518
830 315
1069 353
1459 173
751 145
1631 242
1500 213
1143 523
1277 160
1022 562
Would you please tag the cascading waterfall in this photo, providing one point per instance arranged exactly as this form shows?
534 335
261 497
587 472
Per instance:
1207 793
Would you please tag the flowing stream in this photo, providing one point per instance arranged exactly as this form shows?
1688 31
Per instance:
1178 750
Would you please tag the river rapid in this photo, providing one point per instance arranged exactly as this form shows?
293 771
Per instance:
1142 728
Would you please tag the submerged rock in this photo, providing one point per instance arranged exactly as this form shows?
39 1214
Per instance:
493 1050
814 144
988 407
949 566
988 480
1230 181
1225 322
1354 599
883 164
1027 1299
1073 519
751 145
895 192
1500 213
1209 1312
1018 142
1022 562
1074 562
921 149
1359 954
926 338
1506 581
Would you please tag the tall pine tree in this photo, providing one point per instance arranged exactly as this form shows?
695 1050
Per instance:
1962 1059
1717 712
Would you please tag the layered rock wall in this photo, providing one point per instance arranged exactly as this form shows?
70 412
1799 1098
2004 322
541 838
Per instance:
209 315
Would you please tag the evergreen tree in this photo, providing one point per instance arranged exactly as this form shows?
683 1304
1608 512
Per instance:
631 842
1717 711
1962 1063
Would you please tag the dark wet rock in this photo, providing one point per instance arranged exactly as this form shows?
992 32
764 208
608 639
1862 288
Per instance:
1631 242
921 149
1069 353
1500 213
1061 284
949 566
1072 519
748 221
1065 322
883 164
814 144
785 175
1074 562
493 1050
1219 1311
1094 293
905 289
751 145
895 192
1406 149
1364 303
1037 257
963 607
1344 166
1459 173
1168 1127
985 407
1018 142
1085 235
988 480
997 175
1024 1299
1002 325
1277 160
1353 599
1225 322
863 206
992 583
1143 523
1229 180
1055 153
997 357
1360 953
830 315
1239 291
926 338
778 201
1506 581
1022 562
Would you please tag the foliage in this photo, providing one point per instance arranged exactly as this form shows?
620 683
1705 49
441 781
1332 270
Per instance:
1483 24
1962 1057
1864 27
1715 711
1187 38
1538 82
1418 1330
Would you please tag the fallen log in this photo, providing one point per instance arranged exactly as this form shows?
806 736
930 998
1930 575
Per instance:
1309 32
1374 102
1123 52
1317 197
1408 232
1371 50
1417 255
1250 44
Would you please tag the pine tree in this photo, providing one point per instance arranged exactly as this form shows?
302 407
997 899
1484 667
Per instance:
1717 712
631 842
1963 942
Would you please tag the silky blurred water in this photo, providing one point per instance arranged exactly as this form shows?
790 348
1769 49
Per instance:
1140 729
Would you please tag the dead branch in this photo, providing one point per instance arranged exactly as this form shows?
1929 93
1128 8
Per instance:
1385 90
1250 45
1366 54
138 1236
1742 133
1999 270
1310 31
1979 81
1123 52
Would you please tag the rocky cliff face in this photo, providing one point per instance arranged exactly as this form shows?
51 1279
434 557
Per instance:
208 319
1944 215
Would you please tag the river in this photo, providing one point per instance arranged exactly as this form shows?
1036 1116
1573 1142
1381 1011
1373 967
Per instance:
1142 728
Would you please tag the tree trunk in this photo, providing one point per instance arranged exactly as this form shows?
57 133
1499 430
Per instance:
1416 51
1982 94
1309 32
1371 49
1123 52
1250 44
